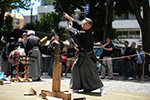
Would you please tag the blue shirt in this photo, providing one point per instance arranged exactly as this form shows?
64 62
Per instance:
140 57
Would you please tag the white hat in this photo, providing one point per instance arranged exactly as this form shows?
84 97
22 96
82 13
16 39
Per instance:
30 91
31 32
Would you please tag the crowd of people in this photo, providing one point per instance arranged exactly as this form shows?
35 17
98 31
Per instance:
41 59
131 66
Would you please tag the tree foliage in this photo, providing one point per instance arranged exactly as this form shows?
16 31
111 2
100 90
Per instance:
48 23
8 5
98 17
97 13
8 23
7 27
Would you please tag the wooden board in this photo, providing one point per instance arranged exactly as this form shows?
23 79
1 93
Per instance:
64 95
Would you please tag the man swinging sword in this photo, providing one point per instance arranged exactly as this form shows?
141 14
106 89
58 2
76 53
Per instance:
84 73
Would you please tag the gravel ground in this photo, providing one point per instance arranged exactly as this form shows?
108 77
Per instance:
127 86
117 83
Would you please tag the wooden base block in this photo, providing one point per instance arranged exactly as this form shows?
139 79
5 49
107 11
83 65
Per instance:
26 79
1 82
64 95
21 80
44 93
15 79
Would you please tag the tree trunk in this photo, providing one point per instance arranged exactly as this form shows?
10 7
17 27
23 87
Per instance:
146 46
109 18
145 28
92 4
144 23
2 18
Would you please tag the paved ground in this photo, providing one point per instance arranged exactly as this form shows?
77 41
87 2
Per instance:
116 89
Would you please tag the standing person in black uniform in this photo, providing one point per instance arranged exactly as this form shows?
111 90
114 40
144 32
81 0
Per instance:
31 42
32 48
21 41
6 66
126 43
84 74
130 62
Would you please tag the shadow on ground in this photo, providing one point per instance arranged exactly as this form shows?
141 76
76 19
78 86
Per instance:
90 93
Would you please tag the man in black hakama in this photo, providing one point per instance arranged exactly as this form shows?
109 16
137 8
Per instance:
84 74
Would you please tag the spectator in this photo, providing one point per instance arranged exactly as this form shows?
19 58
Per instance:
107 54
51 51
126 43
128 67
45 58
20 44
21 41
6 66
139 62
70 57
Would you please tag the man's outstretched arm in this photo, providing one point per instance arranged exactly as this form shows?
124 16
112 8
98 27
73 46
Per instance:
74 31
68 17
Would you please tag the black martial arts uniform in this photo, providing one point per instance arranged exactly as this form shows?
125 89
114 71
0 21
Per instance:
6 66
84 74
31 42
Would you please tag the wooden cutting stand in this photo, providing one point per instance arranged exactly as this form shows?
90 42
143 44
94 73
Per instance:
25 72
56 78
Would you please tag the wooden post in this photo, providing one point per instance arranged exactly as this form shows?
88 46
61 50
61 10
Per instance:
25 71
56 78
17 63
56 69
25 67
16 76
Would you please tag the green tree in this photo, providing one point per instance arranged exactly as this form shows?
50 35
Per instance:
97 13
8 5
101 12
48 23
8 23
7 27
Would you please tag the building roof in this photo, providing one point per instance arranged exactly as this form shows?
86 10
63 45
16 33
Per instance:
125 24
